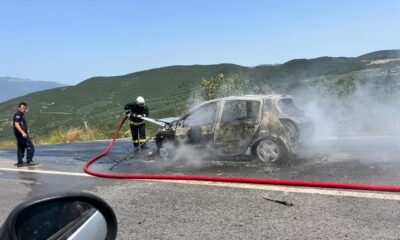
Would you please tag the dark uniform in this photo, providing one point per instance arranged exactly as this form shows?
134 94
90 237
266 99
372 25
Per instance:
138 127
23 143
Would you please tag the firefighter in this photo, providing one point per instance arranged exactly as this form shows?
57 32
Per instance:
21 134
135 111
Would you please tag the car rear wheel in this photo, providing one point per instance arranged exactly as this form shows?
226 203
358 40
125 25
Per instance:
269 150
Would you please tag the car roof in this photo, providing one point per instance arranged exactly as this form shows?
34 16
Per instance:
253 97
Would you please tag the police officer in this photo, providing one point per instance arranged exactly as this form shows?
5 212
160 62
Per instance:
21 134
135 111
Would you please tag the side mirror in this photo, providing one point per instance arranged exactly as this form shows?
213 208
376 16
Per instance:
61 216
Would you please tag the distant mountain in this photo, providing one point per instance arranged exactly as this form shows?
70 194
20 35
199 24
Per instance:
11 87
98 102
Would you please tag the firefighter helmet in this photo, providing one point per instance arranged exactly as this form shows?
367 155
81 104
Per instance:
140 100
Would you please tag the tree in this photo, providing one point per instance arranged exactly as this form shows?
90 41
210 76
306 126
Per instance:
221 86
262 89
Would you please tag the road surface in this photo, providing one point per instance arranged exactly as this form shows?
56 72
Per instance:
207 210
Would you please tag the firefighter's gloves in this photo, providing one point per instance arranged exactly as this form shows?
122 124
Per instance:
136 115
127 112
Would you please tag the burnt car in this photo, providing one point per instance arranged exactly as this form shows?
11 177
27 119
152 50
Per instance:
268 127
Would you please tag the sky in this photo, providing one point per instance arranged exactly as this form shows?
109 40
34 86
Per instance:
69 41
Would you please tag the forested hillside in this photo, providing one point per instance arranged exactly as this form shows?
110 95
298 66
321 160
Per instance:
97 103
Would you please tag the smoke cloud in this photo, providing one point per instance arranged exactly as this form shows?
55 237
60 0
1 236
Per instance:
363 124
371 109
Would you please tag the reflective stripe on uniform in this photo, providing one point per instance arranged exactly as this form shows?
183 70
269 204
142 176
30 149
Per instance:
137 123
142 140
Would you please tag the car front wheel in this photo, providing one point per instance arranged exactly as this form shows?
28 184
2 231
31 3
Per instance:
167 150
269 150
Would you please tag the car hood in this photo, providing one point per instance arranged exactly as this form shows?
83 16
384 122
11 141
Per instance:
168 120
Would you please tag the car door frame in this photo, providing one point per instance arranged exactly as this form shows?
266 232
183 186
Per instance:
220 145
181 130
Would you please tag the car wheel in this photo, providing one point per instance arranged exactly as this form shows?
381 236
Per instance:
167 150
269 150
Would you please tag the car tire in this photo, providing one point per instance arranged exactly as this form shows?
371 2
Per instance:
167 150
270 151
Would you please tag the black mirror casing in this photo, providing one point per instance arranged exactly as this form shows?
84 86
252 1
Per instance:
9 227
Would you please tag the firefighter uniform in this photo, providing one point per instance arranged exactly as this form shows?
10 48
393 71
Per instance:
23 143
138 127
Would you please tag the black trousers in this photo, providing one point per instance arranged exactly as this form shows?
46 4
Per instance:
138 134
24 144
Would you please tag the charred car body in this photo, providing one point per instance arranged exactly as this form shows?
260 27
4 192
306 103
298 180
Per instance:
268 127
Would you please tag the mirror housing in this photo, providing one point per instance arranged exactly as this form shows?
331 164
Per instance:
98 212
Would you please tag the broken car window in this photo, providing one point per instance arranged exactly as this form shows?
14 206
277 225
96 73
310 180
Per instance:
240 110
287 107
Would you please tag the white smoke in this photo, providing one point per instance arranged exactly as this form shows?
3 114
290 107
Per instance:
368 110
363 125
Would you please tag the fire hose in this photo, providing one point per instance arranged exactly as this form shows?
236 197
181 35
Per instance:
286 182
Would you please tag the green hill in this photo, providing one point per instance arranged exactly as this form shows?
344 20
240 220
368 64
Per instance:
98 102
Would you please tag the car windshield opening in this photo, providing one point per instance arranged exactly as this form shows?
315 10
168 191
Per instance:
203 115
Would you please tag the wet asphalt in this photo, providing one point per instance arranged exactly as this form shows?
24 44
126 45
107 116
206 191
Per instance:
354 160
162 210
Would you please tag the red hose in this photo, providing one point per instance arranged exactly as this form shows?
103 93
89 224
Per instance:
356 186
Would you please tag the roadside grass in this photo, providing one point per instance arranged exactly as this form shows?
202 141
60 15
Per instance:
74 134
78 134
7 144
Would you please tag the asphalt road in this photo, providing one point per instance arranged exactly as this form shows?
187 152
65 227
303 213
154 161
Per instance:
202 210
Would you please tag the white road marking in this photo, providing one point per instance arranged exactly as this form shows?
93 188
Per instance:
46 172
277 188
295 189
